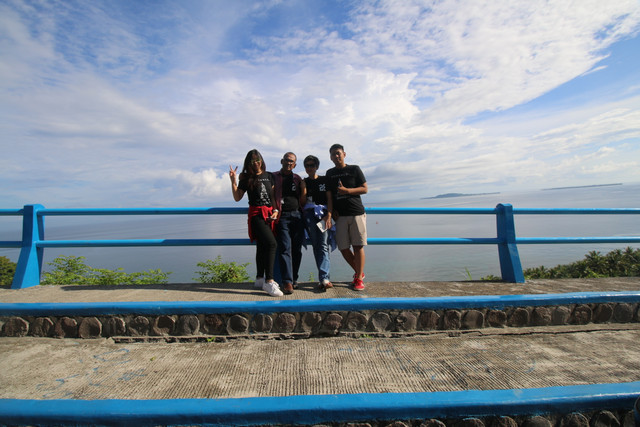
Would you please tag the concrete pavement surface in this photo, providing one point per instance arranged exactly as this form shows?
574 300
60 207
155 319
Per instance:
246 291
494 358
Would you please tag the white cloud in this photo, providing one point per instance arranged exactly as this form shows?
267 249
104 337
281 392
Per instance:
97 107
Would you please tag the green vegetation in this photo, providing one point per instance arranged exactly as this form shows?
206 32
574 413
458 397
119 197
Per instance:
617 263
7 270
71 270
217 271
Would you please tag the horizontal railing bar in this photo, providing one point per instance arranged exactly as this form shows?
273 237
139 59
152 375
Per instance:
437 211
244 242
576 211
143 211
382 241
11 212
139 242
551 240
371 210
10 244
433 241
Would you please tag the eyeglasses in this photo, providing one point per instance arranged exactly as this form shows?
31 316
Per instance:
288 161
256 161
309 165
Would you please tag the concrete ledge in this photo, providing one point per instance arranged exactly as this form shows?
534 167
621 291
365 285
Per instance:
448 408
328 304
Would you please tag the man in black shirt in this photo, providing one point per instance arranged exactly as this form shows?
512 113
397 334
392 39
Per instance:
346 183
290 226
317 217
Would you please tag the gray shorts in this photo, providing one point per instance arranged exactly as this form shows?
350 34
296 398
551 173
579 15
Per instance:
351 231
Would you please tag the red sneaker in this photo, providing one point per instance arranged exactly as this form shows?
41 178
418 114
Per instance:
358 285
355 277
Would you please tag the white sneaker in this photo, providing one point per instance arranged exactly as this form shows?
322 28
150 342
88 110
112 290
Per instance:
259 283
272 288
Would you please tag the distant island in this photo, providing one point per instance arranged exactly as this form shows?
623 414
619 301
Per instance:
581 186
449 195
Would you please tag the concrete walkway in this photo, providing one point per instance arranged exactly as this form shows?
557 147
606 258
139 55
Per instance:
490 358
46 368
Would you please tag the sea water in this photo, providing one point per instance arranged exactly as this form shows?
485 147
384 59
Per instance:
383 263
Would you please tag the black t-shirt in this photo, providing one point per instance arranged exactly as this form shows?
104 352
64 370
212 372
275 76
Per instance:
317 190
260 194
290 194
351 177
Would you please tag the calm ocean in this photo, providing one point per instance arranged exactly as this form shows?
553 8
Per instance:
384 263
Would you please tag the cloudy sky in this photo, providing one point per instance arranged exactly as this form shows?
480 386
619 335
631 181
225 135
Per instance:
121 103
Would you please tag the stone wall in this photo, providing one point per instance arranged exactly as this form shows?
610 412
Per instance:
600 418
314 324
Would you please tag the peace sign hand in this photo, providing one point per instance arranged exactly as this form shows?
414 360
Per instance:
232 174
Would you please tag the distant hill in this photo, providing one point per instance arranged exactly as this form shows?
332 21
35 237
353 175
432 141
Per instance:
580 186
449 195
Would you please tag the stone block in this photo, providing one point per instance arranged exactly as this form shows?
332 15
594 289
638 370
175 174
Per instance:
519 317
310 321
139 326
90 327
213 324
355 322
237 324
262 323
380 322
604 419
623 313
406 321
497 318
472 319
603 313
574 420
285 323
15 327
541 316
66 327
428 320
452 319
537 421
331 324
470 422
115 326
41 327
163 326
581 315
560 315
188 324
503 422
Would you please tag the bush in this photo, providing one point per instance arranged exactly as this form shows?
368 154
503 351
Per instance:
71 270
7 270
217 271
617 263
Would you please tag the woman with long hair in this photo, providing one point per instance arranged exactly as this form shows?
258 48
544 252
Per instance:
258 184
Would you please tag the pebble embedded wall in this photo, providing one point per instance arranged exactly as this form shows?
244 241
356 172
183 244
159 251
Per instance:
313 324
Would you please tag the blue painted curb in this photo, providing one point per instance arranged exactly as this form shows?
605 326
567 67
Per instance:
318 408
325 304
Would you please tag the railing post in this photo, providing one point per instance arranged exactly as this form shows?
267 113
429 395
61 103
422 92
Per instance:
510 267
30 262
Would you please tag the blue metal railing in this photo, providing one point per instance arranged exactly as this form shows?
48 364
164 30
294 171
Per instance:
32 245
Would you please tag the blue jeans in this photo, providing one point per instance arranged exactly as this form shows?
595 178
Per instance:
320 243
290 235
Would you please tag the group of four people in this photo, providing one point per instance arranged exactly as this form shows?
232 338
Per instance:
282 205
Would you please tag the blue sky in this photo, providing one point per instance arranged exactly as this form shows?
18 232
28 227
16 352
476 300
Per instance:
147 103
